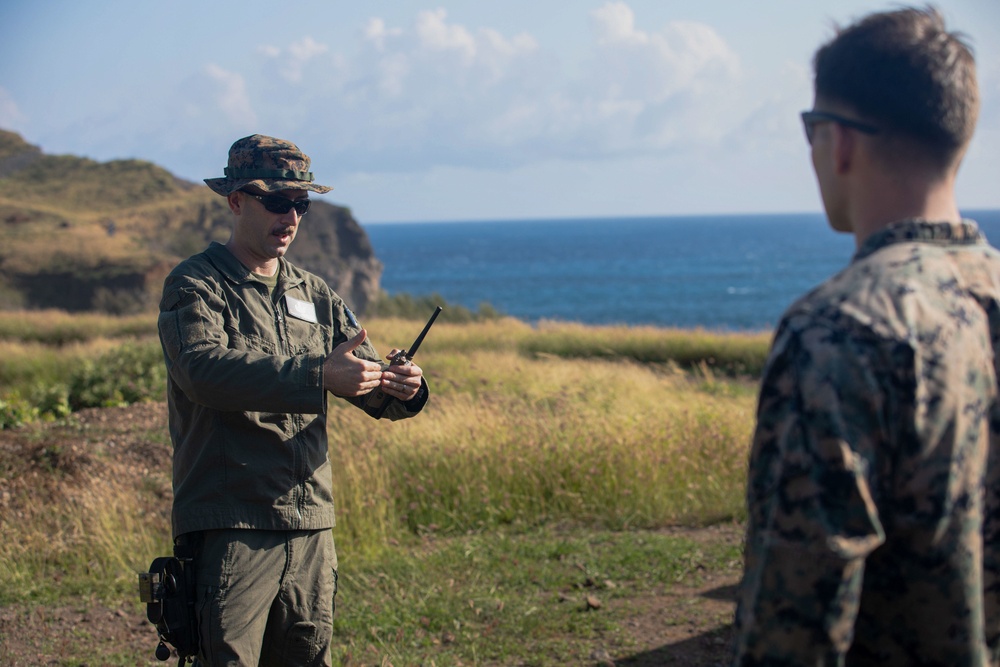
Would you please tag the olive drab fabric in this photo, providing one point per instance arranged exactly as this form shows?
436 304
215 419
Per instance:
874 467
245 394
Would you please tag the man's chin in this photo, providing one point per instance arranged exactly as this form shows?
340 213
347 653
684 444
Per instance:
281 248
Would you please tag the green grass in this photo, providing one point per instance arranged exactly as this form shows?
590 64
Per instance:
486 598
481 598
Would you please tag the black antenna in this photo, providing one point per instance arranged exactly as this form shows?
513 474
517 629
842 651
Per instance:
420 339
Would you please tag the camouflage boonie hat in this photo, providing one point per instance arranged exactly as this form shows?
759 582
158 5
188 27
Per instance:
267 163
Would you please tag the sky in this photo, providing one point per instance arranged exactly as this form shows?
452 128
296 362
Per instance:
416 110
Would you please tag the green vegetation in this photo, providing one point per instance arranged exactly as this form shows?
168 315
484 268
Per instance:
539 474
405 306
52 363
487 597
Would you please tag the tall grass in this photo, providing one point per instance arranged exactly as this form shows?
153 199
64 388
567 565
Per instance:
729 353
613 444
732 354
58 328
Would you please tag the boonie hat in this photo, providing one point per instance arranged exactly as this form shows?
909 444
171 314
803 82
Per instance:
267 163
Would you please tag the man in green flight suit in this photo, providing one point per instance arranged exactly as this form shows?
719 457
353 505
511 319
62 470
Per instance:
873 481
252 346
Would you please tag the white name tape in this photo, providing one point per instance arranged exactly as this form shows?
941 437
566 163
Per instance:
302 310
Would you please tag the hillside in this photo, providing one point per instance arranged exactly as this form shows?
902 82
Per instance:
83 235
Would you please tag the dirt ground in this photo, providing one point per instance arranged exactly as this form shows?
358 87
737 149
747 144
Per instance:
681 625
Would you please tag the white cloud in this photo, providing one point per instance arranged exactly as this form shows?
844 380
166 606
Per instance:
683 75
230 96
439 93
376 33
435 34
306 49
295 57
615 23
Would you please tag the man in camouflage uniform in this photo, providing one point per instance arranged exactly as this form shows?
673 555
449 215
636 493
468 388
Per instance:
872 492
252 346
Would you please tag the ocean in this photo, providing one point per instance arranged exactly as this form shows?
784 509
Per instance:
726 272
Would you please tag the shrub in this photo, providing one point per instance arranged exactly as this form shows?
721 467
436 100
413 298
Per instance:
16 411
405 306
125 375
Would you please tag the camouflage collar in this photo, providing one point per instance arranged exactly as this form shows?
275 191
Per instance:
965 232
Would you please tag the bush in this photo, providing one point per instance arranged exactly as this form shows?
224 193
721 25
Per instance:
408 307
16 411
125 375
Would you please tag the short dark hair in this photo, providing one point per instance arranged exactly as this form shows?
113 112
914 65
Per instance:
904 72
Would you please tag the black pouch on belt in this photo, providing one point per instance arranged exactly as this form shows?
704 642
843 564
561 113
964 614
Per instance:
168 590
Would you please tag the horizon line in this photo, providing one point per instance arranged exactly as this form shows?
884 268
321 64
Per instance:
650 216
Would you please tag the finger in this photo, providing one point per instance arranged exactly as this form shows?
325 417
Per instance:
355 342
399 384
371 374
400 391
408 371
361 389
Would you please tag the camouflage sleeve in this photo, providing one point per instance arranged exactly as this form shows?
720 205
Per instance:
812 513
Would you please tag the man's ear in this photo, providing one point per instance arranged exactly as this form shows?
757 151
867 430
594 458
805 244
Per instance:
235 201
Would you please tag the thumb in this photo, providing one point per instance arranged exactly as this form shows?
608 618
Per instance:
354 343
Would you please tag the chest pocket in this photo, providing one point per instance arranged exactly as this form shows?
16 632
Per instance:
305 333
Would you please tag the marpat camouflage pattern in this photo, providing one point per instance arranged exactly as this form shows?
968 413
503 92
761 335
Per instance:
873 491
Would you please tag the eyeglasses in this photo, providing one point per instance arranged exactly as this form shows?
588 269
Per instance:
276 204
812 118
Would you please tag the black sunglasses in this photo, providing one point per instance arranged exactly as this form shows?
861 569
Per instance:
812 118
277 204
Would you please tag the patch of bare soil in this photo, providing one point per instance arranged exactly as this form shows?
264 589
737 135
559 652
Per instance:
679 625
53 461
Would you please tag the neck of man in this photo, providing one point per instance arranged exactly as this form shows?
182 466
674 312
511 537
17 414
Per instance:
885 197
259 265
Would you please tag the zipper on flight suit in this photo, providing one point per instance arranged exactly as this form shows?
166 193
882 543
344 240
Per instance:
284 346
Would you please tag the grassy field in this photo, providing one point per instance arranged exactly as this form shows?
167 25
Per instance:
551 458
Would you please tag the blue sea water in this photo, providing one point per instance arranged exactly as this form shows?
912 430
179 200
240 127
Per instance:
731 272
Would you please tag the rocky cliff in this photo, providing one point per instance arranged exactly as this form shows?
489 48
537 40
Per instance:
76 234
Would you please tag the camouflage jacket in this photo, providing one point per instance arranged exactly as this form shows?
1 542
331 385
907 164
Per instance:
874 463
247 408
